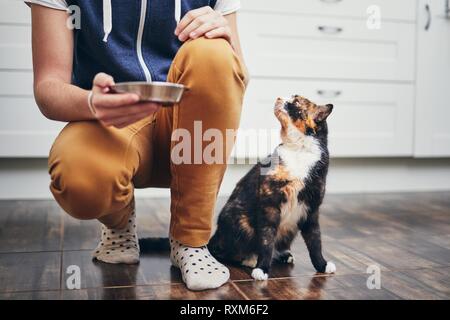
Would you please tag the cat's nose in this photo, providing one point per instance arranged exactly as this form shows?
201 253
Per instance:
329 106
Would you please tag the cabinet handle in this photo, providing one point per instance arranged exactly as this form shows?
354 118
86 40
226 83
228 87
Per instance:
447 9
428 10
329 30
329 93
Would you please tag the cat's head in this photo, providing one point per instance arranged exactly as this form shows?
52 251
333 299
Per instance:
300 117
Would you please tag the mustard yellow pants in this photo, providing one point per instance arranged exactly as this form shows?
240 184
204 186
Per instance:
94 169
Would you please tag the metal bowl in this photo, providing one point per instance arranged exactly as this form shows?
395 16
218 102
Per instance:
165 93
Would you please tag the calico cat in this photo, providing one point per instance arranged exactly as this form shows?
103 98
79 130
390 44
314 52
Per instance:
280 196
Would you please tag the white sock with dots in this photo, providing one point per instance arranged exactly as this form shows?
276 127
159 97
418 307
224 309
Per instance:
119 245
199 269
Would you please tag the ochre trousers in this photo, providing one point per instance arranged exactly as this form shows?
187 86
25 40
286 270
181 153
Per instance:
94 169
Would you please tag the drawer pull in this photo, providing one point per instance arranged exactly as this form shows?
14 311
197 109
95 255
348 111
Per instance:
428 10
329 30
329 93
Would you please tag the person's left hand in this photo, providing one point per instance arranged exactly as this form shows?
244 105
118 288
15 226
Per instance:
203 22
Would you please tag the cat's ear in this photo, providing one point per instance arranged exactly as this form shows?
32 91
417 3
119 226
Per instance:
324 112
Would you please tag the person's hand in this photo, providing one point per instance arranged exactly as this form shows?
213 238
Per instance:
203 22
118 110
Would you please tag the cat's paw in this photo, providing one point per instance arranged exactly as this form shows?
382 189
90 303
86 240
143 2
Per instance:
285 257
259 274
330 267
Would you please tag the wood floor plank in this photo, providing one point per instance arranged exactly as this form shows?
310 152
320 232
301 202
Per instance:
31 295
438 279
300 288
96 274
27 226
355 293
80 234
408 287
157 292
389 255
420 246
29 271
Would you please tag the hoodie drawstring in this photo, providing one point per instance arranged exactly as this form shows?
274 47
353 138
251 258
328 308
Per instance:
177 10
107 19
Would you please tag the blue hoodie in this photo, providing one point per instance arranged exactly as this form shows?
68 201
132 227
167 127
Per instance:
132 40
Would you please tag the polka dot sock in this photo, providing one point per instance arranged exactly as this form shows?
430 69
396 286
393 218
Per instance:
119 245
199 269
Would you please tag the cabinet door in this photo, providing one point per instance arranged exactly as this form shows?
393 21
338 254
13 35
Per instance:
432 126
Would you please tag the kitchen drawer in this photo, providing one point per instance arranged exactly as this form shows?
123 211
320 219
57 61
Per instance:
14 11
24 131
404 10
330 48
16 83
369 119
15 47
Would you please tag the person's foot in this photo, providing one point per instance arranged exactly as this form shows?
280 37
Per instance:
199 269
119 245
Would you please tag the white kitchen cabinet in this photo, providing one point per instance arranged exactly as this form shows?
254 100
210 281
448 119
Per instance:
432 123
390 86
15 47
326 47
24 131
368 119
400 10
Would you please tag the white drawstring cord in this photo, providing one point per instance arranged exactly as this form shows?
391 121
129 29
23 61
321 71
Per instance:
177 11
107 16
107 19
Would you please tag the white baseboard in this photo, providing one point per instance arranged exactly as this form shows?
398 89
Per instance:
28 178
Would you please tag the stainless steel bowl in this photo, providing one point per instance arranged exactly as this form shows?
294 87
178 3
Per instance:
165 93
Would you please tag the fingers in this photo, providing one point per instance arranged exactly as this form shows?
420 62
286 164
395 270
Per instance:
195 24
102 82
202 21
118 110
191 16
101 100
222 32
218 23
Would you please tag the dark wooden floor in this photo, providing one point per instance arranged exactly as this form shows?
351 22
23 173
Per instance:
406 235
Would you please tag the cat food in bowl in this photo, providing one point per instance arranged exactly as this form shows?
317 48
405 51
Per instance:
165 93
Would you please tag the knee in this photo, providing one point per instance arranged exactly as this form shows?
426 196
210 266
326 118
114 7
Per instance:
85 189
209 55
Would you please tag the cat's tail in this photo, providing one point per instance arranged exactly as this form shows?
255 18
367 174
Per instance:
149 245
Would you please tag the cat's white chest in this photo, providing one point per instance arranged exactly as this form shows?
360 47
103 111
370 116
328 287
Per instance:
300 158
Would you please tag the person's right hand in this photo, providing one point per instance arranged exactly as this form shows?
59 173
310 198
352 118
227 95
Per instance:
118 110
